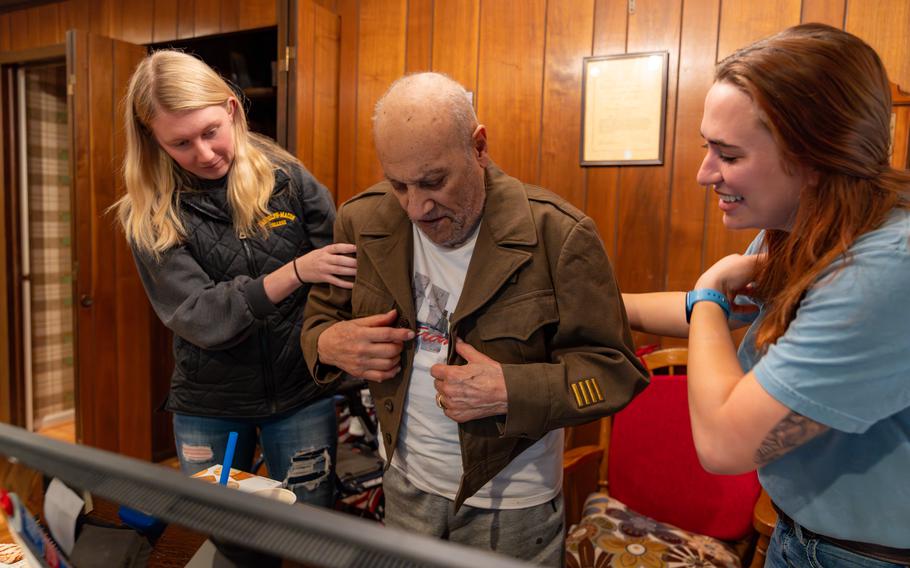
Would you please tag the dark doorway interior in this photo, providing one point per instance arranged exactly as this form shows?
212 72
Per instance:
248 60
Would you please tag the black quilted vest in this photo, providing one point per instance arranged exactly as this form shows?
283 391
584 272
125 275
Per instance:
264 373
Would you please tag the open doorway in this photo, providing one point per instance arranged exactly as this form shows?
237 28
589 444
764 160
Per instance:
39 222
249 62
46 248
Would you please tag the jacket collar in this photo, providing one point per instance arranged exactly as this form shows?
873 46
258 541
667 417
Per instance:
507 226
387 240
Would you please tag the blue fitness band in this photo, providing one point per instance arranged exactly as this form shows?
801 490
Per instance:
706 294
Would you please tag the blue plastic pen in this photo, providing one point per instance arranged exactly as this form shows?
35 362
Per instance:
228 458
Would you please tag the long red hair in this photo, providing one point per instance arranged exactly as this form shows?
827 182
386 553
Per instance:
825 97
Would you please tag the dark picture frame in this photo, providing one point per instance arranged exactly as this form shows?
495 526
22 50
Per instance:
624 109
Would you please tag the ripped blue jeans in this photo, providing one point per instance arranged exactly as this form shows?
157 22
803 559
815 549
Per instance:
298 447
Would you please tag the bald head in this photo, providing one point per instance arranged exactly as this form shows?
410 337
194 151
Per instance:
426 104
433 154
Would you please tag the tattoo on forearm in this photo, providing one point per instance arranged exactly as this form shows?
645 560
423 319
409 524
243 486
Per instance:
794 430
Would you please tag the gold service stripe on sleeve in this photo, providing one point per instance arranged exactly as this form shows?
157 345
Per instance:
597 394
577 396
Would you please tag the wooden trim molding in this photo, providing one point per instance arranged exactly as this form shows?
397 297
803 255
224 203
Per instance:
57 51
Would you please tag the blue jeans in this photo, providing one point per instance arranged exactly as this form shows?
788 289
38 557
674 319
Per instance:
790 548
298 447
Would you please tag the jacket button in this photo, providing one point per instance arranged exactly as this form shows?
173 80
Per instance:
389 406
388 438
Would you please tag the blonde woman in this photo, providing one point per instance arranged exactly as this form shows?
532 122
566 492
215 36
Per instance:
228 232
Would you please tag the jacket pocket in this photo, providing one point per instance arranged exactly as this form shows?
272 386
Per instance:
515 332
186 358
369 299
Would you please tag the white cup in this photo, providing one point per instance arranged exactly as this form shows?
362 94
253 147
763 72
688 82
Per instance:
278 493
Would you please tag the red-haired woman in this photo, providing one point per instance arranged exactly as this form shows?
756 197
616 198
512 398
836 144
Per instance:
818 398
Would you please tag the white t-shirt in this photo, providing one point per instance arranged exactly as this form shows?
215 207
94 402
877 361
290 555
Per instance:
429 453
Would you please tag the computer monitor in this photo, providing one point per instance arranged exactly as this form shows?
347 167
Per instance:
311 535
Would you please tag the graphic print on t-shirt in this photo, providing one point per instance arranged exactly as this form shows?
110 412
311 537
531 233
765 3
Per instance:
432 323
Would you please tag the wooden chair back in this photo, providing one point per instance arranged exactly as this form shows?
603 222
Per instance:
673 360
587 446
582 441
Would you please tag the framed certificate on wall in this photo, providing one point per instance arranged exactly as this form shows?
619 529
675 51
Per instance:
624 102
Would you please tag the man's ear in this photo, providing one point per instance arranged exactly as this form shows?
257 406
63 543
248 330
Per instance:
480 149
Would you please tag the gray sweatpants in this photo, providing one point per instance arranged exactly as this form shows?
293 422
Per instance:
535 534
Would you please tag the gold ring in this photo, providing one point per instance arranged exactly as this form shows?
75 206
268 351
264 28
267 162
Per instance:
440 402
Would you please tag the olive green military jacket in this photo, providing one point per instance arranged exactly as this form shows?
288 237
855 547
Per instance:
539 297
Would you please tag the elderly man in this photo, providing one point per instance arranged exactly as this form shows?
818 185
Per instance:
486 318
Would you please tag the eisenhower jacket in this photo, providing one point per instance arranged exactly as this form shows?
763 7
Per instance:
237 354
539 297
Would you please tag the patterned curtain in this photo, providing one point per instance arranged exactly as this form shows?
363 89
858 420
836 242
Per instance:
50 243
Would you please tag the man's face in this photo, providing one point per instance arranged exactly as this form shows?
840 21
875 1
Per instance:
438 182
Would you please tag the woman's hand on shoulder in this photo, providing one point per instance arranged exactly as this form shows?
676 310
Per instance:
329 264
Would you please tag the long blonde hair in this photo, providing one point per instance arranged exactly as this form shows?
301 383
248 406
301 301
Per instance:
173 81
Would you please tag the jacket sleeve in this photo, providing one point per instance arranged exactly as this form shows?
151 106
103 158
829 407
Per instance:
207 314
326 305
593 370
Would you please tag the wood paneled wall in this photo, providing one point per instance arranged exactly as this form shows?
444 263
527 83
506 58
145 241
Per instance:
145 21
522 60
313 120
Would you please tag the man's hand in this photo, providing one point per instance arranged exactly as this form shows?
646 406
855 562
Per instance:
471 391
365 347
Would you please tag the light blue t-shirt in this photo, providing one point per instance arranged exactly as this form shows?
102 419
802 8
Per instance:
844 362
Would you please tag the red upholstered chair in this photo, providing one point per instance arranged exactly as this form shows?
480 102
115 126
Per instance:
654 504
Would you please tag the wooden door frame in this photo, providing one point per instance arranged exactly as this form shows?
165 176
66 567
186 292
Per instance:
285 51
